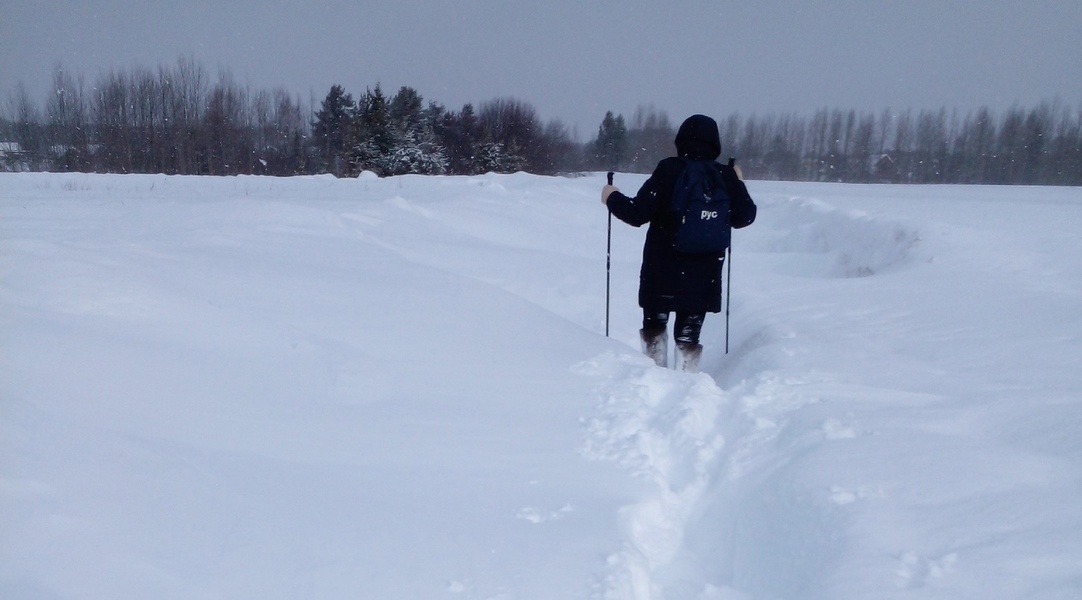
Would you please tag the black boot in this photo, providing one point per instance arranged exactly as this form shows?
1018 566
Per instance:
655 344
687 357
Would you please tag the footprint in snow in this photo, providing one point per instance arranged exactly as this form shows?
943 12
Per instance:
915 571
836 430
842 496
536 515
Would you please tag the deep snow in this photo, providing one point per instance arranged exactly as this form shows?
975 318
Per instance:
256 388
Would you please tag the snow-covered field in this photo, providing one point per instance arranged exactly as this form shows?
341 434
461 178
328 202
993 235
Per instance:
310 388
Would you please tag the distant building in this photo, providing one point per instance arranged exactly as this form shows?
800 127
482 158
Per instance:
884 170
12 157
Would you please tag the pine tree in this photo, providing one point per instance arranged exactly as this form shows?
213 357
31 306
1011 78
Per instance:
377 135
332 130
406 110
493 157
461 134
411 156
610 147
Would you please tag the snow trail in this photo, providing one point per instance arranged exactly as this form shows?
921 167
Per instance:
662 426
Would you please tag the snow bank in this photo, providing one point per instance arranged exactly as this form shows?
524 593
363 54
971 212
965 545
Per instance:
831 242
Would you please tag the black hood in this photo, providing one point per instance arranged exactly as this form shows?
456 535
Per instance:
698 138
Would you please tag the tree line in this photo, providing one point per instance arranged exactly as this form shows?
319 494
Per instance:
179 120
173 120
1037 146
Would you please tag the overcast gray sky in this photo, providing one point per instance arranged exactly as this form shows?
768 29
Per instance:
575 59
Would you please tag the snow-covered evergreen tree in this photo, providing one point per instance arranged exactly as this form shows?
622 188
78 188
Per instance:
493 157
331 131
396 137
412 157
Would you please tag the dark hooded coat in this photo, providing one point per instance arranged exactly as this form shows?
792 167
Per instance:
672 281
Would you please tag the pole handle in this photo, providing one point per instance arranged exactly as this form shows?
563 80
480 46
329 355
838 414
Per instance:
610 177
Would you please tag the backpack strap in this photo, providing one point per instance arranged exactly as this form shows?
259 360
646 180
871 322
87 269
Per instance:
670 221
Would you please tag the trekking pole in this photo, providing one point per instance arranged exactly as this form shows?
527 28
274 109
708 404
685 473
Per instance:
608 265
729 259
728 292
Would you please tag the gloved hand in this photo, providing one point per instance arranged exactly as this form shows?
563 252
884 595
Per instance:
605 191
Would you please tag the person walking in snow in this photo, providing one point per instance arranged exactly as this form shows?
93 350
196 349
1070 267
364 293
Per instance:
688 284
